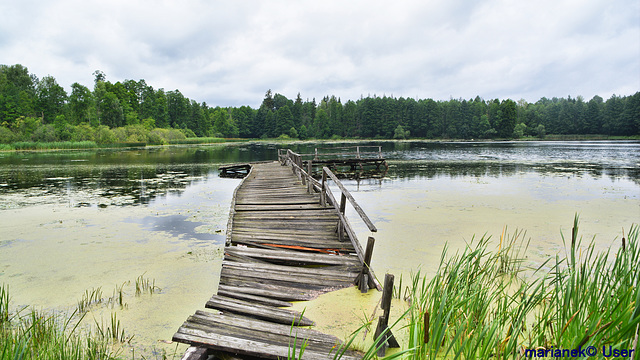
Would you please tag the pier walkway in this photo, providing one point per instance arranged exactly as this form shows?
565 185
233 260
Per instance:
287 240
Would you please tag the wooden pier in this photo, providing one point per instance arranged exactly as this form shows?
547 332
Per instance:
351 162
288 239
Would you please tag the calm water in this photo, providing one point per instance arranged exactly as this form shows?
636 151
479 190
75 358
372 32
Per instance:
77 220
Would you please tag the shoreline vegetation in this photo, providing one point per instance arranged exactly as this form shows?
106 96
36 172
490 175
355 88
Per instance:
39 110
87 145
482 302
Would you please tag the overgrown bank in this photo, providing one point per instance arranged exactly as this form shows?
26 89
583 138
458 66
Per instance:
485 304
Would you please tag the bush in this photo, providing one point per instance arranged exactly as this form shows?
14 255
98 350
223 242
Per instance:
104 135
519 130
6 135
188 133
24 127
156 137
84 132
44 133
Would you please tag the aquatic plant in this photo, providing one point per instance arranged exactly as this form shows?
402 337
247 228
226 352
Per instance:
36 145
4 303
479 305
118 296
144 285
90 297
37 335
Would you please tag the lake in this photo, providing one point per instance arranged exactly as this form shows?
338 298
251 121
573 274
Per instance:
73 221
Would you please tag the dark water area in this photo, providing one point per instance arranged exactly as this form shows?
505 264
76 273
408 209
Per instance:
138 176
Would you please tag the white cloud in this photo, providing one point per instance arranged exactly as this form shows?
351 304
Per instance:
230 53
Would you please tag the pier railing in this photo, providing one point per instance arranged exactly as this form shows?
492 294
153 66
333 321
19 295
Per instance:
344 229
356 152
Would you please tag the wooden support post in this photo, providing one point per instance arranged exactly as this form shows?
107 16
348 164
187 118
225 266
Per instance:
309 170
382 343
363 281
343 207
387 293
323 190
388 340
303 178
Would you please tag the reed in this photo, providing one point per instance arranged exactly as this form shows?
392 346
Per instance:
118 296
480 304
36 335
55 145
145 285
4 304
197 140
89 298
296 349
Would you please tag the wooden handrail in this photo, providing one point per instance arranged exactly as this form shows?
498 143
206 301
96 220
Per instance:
349 197
357 153
326 196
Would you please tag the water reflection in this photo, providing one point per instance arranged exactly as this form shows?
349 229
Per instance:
133 177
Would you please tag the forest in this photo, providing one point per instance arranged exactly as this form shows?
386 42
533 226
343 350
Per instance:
40 110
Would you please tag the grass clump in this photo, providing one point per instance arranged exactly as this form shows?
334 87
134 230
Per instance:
35 335
480 303
197 140
145 285
90 297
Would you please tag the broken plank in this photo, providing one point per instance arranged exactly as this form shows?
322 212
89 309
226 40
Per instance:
254 298
270 313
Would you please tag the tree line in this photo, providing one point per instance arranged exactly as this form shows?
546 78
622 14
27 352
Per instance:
41 110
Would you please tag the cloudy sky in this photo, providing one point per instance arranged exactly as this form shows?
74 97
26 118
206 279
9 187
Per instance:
229 53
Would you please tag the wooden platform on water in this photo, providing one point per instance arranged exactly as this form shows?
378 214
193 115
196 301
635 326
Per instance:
283 245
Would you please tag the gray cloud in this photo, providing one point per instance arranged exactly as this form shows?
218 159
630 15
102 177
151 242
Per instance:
230 53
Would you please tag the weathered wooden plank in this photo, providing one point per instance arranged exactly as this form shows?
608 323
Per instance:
287 256
257 330
245 347
329 246
263 326
290 286
323 212
254 298
270 313
305 227
240 207
281 277
271 291
286 234
294 270
300 216
213 328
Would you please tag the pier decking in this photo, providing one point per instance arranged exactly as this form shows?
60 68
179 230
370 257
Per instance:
287 240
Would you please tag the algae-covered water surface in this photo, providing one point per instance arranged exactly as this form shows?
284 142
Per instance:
83 220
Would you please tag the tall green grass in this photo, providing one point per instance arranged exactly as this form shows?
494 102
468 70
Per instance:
197 140
32 334
56 145
484 304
